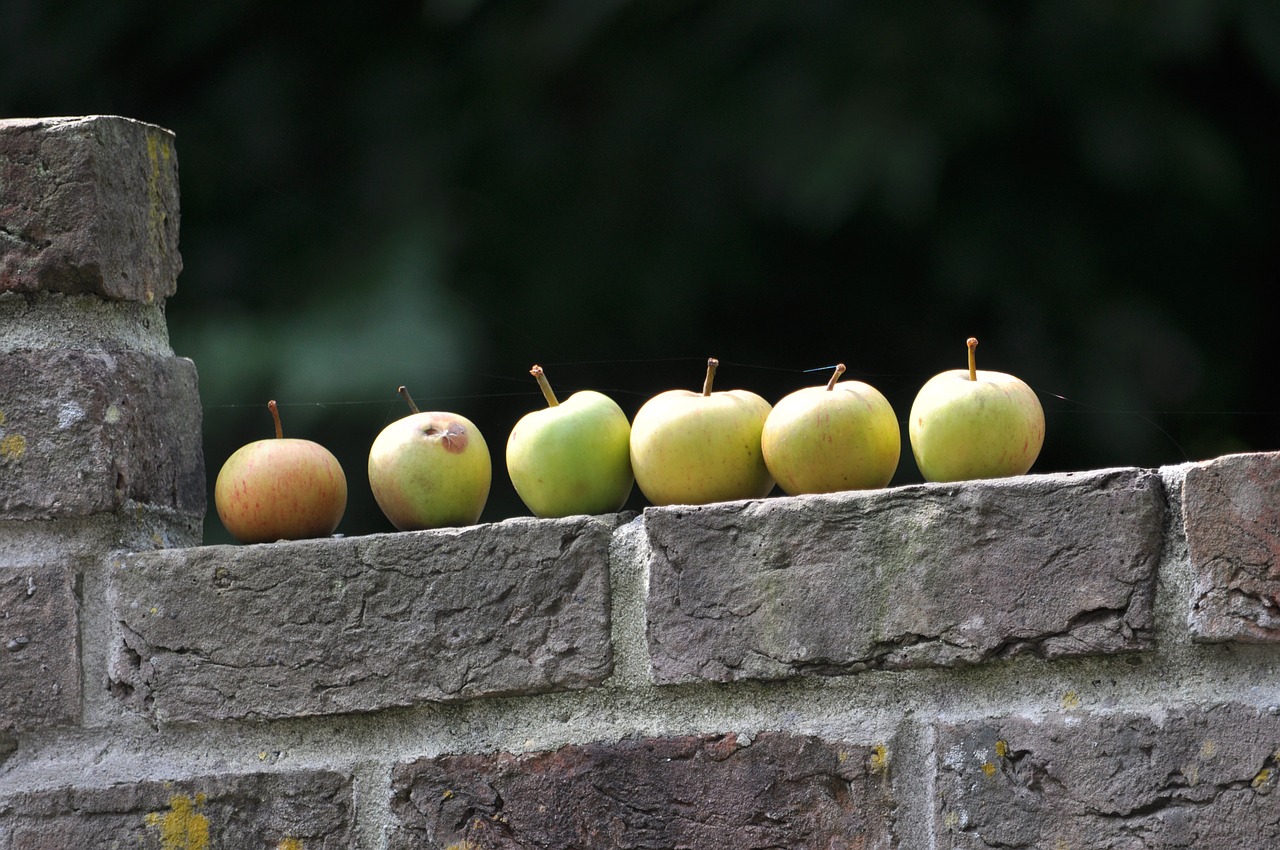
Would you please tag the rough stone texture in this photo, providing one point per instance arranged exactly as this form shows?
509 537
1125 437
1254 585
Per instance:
1193 778
89 205
780 791
39 657
1231 511
83 432
946 575
291 811
359 624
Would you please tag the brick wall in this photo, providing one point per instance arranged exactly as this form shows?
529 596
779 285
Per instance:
1083 660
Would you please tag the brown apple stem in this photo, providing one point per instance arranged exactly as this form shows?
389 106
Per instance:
973 360
831 384
712 364
545 386
275 415
404 393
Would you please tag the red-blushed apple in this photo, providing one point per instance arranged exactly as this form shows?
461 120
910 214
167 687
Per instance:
841 436
430 470
571 458
691 448
280 489
967 424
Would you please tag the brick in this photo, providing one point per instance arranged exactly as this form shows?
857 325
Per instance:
779 790
928 575
39 649
89 206
84 432
1185 778
1231 512
311 809
365 623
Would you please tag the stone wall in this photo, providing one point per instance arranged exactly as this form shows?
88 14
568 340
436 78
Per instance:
1084 660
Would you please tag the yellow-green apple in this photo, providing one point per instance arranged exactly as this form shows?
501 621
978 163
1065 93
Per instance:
975 424
571 458
691 448
430 470
281 489
842 436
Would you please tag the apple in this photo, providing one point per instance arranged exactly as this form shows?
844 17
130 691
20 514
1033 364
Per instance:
842 436
975 424
571 458
430 470
281 489
693 448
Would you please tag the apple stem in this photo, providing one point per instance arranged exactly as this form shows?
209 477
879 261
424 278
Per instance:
404 393
831 384
275 416
543 384
973 359
712 363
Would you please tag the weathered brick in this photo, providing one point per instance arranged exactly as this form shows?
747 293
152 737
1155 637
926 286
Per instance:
1231 511
89 205
82 432
304 809
781 790
1189 778
1055 565
39 651
364 623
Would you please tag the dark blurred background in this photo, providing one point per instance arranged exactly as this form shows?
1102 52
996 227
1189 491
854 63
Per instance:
443 193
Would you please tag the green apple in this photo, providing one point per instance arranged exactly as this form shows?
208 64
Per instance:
281 489
571 458
691 448
975 424
842 436
430 470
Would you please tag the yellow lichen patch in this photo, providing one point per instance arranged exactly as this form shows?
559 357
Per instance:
1070 700
290 844
1262 777
950 821
1208 750
13 446
988 768
182 827
879 761
463 845
447 795
1002 748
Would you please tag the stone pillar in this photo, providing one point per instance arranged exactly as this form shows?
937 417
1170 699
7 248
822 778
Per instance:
100 444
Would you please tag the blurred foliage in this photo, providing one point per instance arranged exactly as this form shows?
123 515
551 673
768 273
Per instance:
441 194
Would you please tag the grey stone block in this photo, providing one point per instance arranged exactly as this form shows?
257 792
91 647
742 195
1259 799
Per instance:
778 790
1055 565
365 623
89 205
39 649
84 432
1231 511
1195 778
287 811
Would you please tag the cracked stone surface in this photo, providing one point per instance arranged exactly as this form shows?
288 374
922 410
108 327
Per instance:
363 623
1191 778
311 809
775 791
39 649
90 206
929 575
1231 511
87 432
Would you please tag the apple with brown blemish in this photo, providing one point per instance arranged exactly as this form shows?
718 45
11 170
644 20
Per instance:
280 489
430 470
